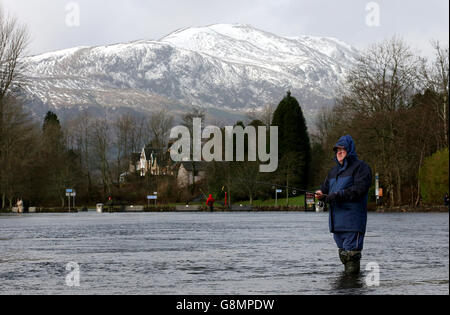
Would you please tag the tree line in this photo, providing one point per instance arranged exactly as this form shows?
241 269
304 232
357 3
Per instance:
394 103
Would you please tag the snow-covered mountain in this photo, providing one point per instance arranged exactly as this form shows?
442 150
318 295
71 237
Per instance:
225 68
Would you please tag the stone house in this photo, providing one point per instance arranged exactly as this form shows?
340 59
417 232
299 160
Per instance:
190 173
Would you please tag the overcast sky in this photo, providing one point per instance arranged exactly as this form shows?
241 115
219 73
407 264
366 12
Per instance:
103 22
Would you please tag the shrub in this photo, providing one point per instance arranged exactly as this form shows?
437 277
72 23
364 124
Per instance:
433 177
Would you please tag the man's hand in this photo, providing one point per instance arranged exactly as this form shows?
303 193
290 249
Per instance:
332 197
320 195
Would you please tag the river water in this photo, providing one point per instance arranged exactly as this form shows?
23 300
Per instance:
217 253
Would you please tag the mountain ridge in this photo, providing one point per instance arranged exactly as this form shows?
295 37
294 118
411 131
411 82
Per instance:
229 67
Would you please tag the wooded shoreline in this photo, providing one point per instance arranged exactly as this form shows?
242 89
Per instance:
179 209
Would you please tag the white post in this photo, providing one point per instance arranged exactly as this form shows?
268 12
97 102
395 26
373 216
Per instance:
377 186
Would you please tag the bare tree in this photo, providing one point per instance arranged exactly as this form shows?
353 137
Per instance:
247 178
101 144
160 124
325 123
123 127
194 112
379 89
13 42
384 79
17 145
264 114
436 78
79 132
138 134
188 121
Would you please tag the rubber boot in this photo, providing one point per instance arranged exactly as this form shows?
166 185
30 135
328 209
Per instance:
343 256
351 261
353 266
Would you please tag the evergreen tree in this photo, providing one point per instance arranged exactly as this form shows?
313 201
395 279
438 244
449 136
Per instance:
53 160
53 136
294 144
51 119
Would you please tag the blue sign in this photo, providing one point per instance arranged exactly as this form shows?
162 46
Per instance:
69 191
152 197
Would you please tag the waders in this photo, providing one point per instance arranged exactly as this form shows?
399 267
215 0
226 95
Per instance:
351 261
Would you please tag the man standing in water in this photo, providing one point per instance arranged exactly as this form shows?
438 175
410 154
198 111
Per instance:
346 189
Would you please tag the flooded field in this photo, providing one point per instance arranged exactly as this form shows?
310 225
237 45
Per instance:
216 253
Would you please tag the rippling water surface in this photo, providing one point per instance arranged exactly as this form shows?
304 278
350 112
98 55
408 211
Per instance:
217 253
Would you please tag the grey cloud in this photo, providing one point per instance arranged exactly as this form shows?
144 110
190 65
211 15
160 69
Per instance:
104 22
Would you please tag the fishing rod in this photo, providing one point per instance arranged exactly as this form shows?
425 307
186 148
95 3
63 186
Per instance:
201 190
288 187
277 186
321 202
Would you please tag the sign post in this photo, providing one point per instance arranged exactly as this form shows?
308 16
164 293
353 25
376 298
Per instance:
151 197
68 194
71 193
277 191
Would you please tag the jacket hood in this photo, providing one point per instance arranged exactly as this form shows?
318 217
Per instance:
349 145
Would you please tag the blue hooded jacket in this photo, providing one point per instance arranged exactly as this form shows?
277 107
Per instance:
351 181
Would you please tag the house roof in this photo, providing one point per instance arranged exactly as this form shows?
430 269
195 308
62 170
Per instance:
149 150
